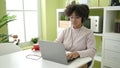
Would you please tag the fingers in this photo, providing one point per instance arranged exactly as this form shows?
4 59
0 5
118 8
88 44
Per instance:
69 56
72 55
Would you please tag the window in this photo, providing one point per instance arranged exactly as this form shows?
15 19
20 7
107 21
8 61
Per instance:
26 23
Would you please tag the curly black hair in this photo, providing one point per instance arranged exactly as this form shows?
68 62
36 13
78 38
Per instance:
80 10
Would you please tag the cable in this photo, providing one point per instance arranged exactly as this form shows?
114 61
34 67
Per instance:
33 57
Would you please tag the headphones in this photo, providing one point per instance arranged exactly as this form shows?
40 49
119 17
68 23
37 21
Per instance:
84 19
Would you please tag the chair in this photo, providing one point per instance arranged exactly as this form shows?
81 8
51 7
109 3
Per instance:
91 65
7 48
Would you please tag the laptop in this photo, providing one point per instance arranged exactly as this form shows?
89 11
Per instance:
54 52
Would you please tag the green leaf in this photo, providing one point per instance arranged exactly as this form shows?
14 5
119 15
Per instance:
34 40
6 19
3 21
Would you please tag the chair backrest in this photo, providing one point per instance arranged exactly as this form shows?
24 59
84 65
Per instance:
91 65
7 48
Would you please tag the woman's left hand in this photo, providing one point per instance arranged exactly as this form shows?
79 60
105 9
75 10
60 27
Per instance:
73 55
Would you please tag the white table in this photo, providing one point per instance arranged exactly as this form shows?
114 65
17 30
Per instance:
19 60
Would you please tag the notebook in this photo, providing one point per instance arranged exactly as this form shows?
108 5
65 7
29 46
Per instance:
54 52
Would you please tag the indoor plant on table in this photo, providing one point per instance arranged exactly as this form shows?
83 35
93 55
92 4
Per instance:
35 44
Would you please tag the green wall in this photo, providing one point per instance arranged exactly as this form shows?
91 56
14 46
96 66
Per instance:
3 12
51 7
104 3
2 8
100 3
43 18
48 18
62 3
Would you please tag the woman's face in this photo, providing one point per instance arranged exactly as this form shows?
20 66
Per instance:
76 21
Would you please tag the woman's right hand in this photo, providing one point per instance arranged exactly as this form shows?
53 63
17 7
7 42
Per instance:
72 55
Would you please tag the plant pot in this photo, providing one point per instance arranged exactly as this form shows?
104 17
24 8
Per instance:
64 24
36 47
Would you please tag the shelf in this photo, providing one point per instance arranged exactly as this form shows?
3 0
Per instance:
98 58
96 7
111 14
60 10
112 35
110 38
112 8
98 34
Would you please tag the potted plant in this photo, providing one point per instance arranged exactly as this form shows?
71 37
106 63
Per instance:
34 40
3 21
64 21
35 43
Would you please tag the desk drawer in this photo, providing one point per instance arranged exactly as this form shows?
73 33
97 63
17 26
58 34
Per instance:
112 45
112 57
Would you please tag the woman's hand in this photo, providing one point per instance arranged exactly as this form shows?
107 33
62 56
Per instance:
72 55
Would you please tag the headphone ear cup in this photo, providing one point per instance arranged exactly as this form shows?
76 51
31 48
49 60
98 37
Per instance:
84 19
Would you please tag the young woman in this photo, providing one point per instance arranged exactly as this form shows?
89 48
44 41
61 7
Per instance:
77 38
